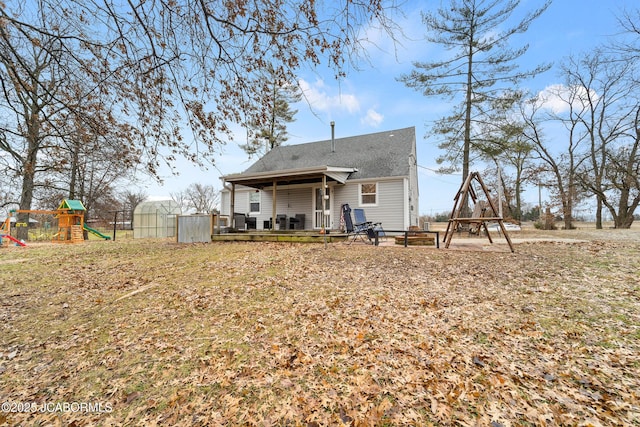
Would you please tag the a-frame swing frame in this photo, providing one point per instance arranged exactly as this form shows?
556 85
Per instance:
467 191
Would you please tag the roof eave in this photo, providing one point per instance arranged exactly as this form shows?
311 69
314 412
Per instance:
340 174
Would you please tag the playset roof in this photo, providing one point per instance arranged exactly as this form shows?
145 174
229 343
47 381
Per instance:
72 205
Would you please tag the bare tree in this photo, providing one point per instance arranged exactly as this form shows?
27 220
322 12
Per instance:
560 165
182 199
92 156
58 126
623 174
514 168
29 85
502 142
628 49
7 192
202 198
129 200
606 95
200 61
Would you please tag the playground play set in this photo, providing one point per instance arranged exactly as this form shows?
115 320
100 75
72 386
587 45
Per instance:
71 225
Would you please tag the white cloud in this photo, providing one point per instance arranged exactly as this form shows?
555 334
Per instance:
373 118
550 98
316 94
559 98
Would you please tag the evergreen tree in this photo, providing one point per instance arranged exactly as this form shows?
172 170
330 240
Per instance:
481 71
271 131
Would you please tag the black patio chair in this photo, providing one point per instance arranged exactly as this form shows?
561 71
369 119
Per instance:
297 222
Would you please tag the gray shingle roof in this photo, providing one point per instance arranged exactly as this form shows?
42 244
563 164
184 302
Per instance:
376 155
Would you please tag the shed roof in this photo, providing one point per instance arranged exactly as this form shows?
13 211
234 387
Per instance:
376 155
156 207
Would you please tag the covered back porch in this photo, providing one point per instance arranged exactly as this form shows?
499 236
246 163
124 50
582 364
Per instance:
298 200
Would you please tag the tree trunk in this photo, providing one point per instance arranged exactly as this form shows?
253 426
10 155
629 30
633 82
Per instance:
598 213
29 172
466 149
628 222
518 213
26 198
624 216
567 207
623 219
75 159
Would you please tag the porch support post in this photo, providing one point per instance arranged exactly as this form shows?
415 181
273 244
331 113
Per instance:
232 217
273 207
324 208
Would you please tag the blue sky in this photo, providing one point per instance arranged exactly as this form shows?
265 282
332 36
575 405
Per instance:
371 99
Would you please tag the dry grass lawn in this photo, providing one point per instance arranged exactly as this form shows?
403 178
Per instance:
151 332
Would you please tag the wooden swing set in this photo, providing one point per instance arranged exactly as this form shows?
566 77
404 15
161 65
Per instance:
477 222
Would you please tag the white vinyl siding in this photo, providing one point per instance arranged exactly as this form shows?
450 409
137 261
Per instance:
391 207
241 202
225 202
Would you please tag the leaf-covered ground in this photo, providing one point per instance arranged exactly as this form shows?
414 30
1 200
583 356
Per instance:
156 333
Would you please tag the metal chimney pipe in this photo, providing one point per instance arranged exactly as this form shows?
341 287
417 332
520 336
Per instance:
333 136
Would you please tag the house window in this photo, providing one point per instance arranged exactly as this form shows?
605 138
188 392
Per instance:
254 202
369 194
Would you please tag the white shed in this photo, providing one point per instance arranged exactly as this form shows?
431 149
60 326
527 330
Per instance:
155 219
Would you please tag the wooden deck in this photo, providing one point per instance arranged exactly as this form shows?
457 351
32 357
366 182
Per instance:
279 236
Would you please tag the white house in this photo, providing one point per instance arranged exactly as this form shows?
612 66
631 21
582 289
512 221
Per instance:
376 172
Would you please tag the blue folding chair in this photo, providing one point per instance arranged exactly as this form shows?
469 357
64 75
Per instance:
361 218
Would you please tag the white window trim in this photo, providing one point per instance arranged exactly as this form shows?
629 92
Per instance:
259 193
377 194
